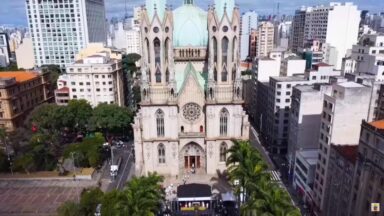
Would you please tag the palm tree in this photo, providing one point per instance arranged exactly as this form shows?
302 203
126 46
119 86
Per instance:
69 209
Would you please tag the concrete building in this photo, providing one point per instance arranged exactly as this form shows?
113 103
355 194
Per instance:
282 34
276 118
305 118
126 36
249 21
297 35
369 176
94 48
304 174
191 88
343 110
60 29
340 178
292 65
24 54
321 73
368 56
253 43
21 92
336 25
5 52
265 38
96 79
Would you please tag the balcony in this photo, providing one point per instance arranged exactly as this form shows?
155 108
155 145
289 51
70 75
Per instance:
191 134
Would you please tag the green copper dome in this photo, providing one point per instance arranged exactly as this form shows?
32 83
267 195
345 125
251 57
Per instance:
222 5
190 26
156 5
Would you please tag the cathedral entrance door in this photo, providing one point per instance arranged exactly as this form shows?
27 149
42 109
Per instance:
193 158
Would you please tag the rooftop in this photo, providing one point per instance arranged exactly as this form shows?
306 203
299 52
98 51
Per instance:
349 152
20 76
306 88
377 124
296 78
350 85
310 155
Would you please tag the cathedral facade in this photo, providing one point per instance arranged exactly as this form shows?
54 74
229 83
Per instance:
191 89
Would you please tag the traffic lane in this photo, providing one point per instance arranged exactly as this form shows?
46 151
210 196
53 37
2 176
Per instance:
122 175
125 173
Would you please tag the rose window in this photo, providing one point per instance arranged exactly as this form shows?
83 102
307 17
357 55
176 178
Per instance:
191 111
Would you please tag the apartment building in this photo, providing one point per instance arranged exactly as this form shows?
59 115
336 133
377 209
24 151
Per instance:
305 118
5 52
96 78
341 167
265 38
125 35
24 54
368 183
343 110
20 92
60 29
298 25
336 25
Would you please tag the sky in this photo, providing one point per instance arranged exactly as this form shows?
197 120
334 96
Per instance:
12 12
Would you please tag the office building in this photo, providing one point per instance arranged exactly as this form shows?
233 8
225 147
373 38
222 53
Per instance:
253 44
126 36
60 29
343 110
96 79
21 92
249 21
297 35
265 38
368 183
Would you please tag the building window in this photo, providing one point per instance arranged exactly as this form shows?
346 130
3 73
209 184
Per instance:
224 50
214 50
158 75
223 152
161 153
160 123
224 75
224 122
156 44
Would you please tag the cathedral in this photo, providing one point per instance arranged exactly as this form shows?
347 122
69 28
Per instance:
191 88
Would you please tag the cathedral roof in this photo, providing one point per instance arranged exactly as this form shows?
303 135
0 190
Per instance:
157 6
224 5
182 78
190 26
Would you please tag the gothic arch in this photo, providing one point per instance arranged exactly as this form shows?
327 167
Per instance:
224 50
224 115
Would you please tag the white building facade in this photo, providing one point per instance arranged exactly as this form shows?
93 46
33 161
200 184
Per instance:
96 79
59 29
191 105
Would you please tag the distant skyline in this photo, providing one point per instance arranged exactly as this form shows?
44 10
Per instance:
12 12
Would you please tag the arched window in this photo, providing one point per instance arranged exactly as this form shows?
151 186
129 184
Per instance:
156 45
166 50
167 75
234 73
148 51
224 50
158 75
161 153
160 123
215 74
224 122
214 50
223 152
182 129
234 49
201 129
224 74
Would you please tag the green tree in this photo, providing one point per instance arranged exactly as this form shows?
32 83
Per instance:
79 112
110 118
48 118
129 62
54 73
4 164
69 208
142 196
90 198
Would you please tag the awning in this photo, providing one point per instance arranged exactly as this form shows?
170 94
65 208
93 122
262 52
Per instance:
194 192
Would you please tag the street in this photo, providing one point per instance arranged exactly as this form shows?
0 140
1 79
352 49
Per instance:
125 169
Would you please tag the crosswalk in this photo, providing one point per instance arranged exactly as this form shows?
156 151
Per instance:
275 175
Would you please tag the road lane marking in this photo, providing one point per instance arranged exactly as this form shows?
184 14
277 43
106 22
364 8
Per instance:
122 173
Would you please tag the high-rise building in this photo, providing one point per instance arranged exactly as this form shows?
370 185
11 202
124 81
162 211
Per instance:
126 36
59 29
336 25
343 110
297 35
368 183
21 92
249 21
191 89
265 38
253 44
5 52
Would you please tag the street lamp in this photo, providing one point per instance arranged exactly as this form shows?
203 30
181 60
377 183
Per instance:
74 173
